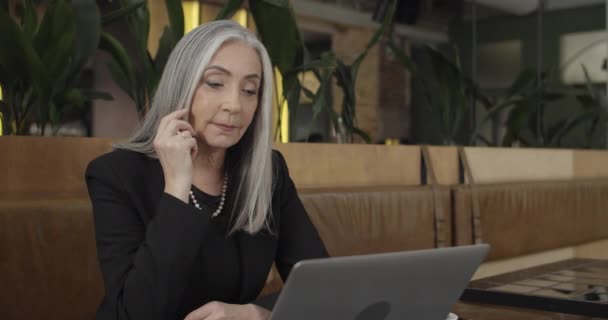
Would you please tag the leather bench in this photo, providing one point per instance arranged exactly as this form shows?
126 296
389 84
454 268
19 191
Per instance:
524 218
49 268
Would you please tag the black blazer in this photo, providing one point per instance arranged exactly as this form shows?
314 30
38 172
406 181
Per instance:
148 240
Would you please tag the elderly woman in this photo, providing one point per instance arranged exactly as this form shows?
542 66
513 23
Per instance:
193 209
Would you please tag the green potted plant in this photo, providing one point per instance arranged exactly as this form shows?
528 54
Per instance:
138 72
41 73
290 57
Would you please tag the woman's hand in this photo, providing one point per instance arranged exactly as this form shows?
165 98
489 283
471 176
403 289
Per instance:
222 311
175 145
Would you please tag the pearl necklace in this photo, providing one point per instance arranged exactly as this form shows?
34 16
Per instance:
219 208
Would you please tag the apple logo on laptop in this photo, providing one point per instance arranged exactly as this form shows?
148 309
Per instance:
375 311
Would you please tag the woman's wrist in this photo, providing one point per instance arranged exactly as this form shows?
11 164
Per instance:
259 312
180 192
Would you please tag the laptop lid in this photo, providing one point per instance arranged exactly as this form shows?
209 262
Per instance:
422 285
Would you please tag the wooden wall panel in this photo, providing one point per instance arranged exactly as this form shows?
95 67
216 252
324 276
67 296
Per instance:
351 165
32 166
514 164
590 164
445 163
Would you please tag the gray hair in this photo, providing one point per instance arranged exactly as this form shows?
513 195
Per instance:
249 162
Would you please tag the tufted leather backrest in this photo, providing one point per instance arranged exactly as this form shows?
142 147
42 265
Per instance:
524 218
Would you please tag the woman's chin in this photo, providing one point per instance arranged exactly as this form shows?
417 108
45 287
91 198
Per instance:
221 143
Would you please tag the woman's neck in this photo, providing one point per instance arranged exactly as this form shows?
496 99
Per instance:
208 170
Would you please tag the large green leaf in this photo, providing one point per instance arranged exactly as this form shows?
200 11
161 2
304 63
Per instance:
565 127
13 57
139 25
73 97
176 17
490 114
517 120
88 31
109 44
345 80
384 27
57 16
121 79
166 43
20 61
320 98
443 71
362 134
4 120
346 76
315 65
402 57
284 44
229 8
55 38
524 81
30 20
59 54
4 80
587 101
122 12
4 108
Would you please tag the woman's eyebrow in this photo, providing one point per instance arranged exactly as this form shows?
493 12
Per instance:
226 71
220 69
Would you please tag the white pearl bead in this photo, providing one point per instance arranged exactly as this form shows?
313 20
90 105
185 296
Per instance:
223 198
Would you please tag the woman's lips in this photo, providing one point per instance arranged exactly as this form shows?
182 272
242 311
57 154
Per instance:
225 127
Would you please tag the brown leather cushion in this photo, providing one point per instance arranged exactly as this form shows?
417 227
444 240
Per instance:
352 222
524 218
48 262
47 166
364 221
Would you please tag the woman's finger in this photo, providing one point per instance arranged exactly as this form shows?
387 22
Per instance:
179 114
175 126
185 134
194 150
202 312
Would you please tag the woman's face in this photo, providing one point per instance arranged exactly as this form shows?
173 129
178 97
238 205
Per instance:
227 96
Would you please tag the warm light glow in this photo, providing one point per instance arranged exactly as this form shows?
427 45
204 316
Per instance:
192 15
391 142
284 110
310 82
240 17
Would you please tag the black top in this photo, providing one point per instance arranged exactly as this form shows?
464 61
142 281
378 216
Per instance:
218 253
162 258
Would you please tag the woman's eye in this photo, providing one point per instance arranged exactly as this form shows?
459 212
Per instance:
214 84
250 92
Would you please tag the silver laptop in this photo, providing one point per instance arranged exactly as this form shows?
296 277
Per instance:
421 285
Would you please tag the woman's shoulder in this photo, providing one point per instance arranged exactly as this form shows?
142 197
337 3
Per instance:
119 160
279 165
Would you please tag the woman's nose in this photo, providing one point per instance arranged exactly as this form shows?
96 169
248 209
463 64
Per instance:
233 102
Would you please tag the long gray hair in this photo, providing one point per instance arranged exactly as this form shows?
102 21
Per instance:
249 162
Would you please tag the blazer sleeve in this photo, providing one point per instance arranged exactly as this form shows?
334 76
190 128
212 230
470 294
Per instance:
145 268
298 237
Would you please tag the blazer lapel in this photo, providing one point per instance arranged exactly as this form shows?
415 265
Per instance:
257 254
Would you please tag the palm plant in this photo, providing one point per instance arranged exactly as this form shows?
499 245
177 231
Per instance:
526 121
594 113
138 74
41 72
453 96
290 57
448 92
